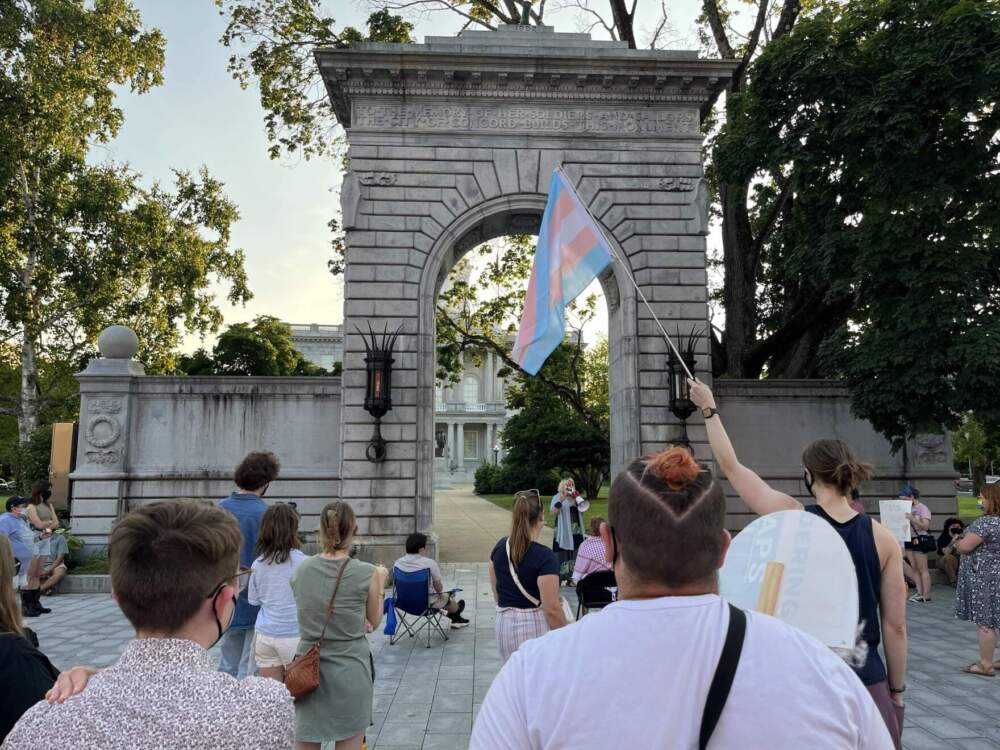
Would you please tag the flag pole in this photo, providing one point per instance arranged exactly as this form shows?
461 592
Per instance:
628 272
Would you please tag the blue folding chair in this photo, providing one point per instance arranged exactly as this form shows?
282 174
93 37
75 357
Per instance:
412 594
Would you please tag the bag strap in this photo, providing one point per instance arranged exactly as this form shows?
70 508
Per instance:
329 607
725 671
517 581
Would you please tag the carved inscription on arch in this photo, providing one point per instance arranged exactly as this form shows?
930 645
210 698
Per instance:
440 116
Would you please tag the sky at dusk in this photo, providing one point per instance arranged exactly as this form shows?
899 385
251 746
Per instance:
201 116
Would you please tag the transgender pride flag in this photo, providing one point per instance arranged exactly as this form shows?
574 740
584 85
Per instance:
571 252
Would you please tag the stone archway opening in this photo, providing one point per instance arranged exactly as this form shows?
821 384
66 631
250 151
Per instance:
471 407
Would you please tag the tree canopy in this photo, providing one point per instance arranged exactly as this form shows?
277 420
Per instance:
546 432
870 135
263 347
84 245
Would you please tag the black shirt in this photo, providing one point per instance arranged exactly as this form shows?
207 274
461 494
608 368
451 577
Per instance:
26 675
538 561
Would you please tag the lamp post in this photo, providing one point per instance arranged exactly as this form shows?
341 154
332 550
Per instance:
496 454
681 405
378 384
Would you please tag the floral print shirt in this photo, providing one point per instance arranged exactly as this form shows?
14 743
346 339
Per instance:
162 694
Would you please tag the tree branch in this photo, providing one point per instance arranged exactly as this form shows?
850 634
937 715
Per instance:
623 22
718 28
789 14
740 73
571 398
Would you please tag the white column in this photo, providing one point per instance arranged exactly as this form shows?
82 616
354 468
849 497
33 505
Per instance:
452 450
460 445
489 390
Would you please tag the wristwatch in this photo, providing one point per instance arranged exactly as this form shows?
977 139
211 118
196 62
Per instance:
895 690
709 413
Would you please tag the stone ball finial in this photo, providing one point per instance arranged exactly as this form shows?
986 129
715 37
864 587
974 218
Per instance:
118 342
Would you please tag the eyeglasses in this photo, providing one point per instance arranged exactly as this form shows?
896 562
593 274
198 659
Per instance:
242 578
527 493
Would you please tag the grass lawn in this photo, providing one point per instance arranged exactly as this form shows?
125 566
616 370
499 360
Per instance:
968 506
598 507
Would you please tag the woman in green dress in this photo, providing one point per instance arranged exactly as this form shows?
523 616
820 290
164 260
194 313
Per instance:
340 709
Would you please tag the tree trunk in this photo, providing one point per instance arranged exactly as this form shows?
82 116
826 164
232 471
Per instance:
27 418
739 286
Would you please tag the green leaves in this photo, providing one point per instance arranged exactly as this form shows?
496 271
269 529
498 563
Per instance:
263 347
273 43
880 117
82 244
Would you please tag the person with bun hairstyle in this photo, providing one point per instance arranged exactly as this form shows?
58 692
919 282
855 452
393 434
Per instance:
652 656
340 709
830 472
524 576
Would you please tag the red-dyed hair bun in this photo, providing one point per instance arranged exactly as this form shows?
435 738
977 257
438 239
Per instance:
676 467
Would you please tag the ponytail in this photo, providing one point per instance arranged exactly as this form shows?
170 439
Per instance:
524 516
833 463
336 526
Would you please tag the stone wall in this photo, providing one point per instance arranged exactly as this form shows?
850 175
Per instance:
771 421
151 438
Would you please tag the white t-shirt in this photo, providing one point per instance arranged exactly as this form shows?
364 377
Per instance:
270 588
637 674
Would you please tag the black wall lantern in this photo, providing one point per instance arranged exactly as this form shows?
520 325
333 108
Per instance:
378 384
681 405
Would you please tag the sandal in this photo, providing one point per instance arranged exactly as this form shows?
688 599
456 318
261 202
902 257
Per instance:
977 669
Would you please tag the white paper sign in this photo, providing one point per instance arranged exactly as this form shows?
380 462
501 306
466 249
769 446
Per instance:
818 591
892 515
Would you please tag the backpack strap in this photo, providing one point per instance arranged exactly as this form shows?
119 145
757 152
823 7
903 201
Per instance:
725 671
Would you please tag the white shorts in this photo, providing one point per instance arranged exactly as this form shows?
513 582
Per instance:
269 651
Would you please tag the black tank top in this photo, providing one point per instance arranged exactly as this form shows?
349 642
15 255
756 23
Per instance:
859 537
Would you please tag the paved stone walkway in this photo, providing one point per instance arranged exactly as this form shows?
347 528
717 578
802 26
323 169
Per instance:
428 698
467 526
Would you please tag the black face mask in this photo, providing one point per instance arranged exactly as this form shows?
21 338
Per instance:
218 622
614 545
808 481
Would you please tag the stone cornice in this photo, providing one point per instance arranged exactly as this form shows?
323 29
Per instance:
503 66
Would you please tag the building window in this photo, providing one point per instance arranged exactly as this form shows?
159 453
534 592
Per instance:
439 396
441 442
470 389
471 444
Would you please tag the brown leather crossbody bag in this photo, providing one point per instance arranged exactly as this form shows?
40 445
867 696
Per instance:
302 675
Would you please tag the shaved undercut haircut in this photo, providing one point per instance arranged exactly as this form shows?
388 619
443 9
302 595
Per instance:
668 515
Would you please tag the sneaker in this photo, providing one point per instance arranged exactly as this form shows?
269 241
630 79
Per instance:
916 598
458 622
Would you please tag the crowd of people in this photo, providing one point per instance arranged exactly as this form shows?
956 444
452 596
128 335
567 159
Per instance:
683 665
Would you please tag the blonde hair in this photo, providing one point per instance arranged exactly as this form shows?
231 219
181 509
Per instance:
525 514
566 483
10 612
337 523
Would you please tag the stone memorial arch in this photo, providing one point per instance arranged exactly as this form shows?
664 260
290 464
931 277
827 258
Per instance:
452 143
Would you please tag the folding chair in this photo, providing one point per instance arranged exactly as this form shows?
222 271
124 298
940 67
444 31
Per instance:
592 591
412 594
